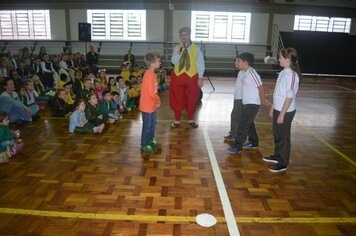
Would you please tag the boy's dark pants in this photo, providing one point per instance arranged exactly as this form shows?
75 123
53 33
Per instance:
247 125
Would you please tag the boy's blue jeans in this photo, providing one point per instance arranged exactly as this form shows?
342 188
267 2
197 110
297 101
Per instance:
149 121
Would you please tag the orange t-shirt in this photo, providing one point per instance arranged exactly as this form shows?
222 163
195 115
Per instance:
149 100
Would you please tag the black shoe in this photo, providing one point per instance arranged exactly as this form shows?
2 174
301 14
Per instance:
271 159
278 168
175 125
193 124
229 138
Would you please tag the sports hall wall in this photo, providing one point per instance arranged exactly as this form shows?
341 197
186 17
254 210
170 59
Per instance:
164 19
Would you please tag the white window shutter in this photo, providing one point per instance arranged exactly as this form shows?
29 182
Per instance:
6 26
133 25
116 25
202 23
220 26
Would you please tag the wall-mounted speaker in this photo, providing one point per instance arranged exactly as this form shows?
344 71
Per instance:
84 32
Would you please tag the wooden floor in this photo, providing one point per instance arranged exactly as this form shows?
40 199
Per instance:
64 184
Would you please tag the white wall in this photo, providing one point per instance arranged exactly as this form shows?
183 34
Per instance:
76 16
180 19
58 24
155 30
155 25
259 28
285 22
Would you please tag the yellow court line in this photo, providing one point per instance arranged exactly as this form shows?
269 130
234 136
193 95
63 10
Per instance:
348 159
181 219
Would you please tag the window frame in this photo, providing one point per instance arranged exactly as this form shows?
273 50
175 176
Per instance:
30 24
108 20
330 24
232 20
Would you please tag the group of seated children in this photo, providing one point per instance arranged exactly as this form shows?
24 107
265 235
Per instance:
25 99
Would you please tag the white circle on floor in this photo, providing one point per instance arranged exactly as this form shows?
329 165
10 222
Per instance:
206 220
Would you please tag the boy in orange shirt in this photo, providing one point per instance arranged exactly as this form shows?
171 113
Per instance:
149 103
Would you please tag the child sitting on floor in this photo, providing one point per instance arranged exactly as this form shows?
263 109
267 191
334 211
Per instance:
99 89
59 106
28 100
79 123
112 86
92 111
10 144
106 108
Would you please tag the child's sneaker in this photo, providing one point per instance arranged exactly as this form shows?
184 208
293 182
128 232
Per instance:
271 159
155 144
96 129
277 168
234 150
16 148
248 146
101 128
3 158
229 137
111 120
148 149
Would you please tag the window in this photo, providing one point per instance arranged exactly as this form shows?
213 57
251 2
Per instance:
25 24
221 26
118 24
322 23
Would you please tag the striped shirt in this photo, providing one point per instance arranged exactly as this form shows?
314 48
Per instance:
286 87
251 80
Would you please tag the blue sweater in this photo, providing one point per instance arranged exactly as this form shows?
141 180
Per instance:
75 119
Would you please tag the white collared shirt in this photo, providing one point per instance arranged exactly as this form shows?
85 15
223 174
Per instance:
286 87
251 80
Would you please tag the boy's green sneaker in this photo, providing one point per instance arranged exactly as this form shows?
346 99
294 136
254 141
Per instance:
148 149
155 144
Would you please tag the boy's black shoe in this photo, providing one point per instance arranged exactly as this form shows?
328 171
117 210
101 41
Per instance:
271 159
278 168
229 138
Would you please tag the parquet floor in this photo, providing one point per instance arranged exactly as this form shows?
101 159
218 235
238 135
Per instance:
64 184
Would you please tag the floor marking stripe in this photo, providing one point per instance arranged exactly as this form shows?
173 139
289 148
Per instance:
326 143
338 86
181 219
224 198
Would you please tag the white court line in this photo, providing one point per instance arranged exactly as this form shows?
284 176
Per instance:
345 88
224 198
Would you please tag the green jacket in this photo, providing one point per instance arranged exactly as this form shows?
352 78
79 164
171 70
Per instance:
5 134
92 114
106 108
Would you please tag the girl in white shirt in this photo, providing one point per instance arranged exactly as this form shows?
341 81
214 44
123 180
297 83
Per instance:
283 109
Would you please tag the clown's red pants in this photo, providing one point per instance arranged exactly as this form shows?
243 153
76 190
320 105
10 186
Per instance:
183 94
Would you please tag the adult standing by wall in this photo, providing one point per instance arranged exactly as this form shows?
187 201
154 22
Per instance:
92 59
130 58
186 78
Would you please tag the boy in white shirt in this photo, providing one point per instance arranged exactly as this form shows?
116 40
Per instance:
252 97
236 110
